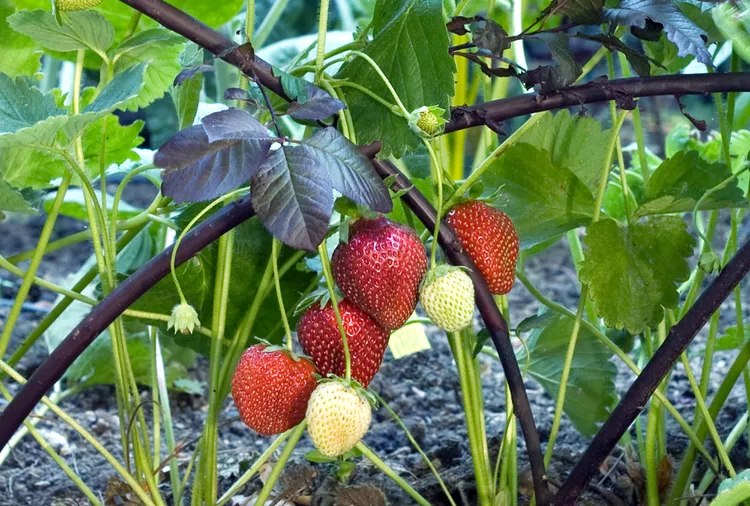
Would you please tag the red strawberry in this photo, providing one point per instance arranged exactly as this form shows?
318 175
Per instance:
380 269
271 389
489 238
319 335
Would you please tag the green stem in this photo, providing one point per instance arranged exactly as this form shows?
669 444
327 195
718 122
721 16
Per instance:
250 21
276 280
697 279
166 412
266 26
720 397
211 431
391 474
253 470
576 251
294 437
54 455
477 438
132 482
650 459
439 204
699 397
560 403
23 290
323 253
387 83
322 30
416 446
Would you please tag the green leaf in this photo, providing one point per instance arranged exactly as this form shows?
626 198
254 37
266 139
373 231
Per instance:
632 272
161 51
36 106
576 142
186 95
12 201
729 21
732 339
733 491
79 30
21 56
665 52
542 199
124 87
590 393
410 45
120 141
74 205
680 181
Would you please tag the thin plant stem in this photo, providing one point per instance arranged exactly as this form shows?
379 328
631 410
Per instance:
250 21
416 446
221 298
439 204
376 67
707 417
192 222
132 482
322 30
391 474
650 460
253 470
294 436
28 280
729 443
559 308
268 23
323 253
458 139
55 456
275 256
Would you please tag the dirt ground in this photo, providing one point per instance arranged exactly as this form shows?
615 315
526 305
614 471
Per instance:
423 388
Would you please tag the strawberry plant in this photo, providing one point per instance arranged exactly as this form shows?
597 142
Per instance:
314 196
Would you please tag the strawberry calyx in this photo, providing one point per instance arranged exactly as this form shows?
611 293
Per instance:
440 271
274 348
321 296
351 384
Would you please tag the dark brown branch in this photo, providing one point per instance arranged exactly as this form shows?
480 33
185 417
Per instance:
643 387
596 91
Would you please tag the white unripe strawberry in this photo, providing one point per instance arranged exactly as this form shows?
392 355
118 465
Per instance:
447 296
338 417
76 5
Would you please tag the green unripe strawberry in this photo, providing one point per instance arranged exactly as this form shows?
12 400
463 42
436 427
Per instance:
338 417
427 121
447 296
76 5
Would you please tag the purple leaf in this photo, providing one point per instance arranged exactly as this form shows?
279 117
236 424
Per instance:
351 171
235 124
189 72
315 105
199 170
292 196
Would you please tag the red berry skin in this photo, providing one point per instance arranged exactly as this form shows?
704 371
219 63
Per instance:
380 269
271 389
490 239
319 335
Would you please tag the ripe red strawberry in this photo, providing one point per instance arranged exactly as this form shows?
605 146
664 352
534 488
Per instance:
489 238
380 269
271 389
319 335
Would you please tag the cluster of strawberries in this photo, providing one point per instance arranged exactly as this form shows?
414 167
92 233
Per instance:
381 272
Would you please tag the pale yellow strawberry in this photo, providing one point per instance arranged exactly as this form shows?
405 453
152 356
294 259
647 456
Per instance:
76 5
447 296
338 417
